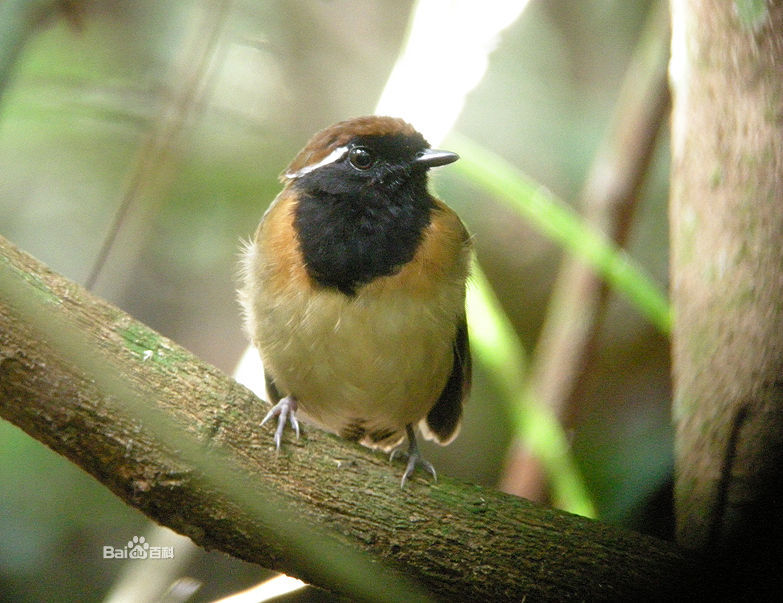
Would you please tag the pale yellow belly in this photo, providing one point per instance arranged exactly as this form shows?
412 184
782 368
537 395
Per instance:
361 367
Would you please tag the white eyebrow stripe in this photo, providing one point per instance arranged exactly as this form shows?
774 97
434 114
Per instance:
332 157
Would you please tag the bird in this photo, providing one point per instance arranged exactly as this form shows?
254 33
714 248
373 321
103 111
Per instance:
353 292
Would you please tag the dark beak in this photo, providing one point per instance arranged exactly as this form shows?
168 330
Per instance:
433 157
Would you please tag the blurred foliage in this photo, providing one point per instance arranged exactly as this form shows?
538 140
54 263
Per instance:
80 107
564 226
497 347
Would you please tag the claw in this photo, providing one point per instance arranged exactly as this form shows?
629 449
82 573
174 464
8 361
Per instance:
414 458
285 411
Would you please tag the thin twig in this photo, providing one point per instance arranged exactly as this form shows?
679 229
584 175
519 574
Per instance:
153 162
609 198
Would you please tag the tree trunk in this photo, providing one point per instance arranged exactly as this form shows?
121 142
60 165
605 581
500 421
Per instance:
727 280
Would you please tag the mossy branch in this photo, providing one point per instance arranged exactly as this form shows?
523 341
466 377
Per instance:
191 456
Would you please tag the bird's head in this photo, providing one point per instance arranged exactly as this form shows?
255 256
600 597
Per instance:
372 151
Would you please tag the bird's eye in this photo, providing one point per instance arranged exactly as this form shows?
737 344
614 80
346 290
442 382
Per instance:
361 158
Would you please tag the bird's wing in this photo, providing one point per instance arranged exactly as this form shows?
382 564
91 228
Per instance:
442 423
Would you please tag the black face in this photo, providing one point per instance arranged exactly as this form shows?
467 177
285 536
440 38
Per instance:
363 215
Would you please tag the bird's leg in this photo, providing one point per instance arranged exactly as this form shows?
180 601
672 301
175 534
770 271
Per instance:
414 458
285 411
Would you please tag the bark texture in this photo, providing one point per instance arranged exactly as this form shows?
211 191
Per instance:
727 276
460 541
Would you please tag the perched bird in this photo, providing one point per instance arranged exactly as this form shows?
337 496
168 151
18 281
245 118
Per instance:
354 291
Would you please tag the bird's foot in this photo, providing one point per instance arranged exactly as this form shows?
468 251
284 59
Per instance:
414 458
285 411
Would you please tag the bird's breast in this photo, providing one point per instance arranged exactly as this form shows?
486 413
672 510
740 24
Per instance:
362 365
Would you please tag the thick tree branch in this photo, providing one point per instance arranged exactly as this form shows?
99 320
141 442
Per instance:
727 285
727 269
461 541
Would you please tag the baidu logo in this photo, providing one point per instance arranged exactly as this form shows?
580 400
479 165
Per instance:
138 548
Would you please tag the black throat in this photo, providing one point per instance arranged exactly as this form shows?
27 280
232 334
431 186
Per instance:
351 236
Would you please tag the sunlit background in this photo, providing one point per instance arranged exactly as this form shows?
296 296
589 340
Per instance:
167 123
